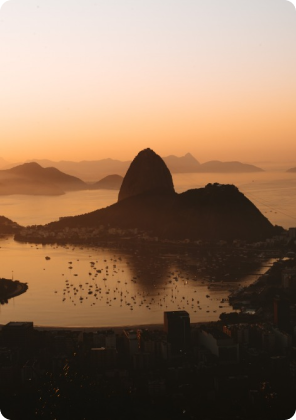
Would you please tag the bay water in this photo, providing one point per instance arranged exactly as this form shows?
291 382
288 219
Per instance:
94 287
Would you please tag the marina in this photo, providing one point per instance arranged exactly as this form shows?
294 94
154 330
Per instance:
81 286
75 286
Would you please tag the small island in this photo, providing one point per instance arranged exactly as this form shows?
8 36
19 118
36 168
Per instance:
10 289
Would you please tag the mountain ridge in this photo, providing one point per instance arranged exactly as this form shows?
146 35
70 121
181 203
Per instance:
91 170
32 179
214 212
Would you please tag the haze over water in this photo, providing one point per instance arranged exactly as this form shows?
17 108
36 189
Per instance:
274 193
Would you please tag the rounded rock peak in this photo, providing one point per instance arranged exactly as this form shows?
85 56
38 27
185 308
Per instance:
147 173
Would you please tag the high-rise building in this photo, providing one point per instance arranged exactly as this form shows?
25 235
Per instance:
289 278
177 327
18 333
131 342
281 313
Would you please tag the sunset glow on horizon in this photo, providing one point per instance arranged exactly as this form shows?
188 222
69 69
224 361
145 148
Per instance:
96 79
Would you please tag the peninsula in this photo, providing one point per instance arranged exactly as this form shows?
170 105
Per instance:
10 289
149 206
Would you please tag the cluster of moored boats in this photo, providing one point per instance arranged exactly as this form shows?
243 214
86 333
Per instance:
108 283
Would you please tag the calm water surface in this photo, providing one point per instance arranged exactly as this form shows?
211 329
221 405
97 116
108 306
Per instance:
101 287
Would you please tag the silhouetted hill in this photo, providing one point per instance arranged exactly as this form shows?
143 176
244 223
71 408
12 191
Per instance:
291 170
34 170
147 173
31 178
110 182
90 170
210 213
8 226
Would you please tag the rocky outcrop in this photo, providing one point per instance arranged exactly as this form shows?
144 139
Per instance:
147 173
147 201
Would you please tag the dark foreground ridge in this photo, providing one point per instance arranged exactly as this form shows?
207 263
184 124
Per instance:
7 226
148 203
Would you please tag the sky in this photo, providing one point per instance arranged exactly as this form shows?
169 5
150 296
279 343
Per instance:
91 79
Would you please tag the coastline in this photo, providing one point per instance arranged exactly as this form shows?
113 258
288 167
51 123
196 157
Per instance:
18 289
117 329
99 328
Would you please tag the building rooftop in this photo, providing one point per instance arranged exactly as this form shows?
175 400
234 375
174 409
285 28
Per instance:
217 334
178 313
19 325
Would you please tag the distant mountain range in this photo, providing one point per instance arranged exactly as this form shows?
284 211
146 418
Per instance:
32 179
188 163
90 171
147 201
291 170
3 163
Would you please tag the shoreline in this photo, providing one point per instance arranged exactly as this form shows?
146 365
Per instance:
116 329
99 328
19 290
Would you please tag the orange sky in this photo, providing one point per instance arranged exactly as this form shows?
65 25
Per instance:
83 80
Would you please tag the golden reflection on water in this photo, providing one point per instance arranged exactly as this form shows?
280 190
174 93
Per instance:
80 286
